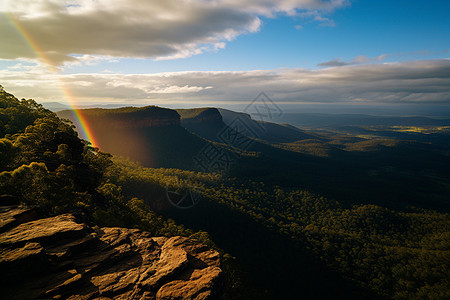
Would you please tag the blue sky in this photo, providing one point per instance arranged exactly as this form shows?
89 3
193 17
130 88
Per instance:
223 52
403 30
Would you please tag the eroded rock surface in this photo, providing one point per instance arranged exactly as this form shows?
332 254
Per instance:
59 258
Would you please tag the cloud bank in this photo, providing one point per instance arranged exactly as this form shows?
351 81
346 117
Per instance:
422 82
362 59
169 29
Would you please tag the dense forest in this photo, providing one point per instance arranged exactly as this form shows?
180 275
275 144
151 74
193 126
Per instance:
277 240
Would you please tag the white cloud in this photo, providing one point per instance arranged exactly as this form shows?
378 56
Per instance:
175 89
66 31
426 81
88 60
361 59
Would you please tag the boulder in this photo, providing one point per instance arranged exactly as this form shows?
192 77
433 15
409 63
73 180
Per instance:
60 258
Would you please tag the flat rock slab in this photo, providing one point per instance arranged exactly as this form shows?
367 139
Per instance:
11 216
43 230
59 258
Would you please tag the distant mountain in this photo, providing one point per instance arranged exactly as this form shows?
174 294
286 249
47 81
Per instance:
151 135
250 140
268 131
317 213
161 137
335 164
55 106
206 122
333 120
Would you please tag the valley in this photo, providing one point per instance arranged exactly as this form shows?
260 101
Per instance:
303 199
224 150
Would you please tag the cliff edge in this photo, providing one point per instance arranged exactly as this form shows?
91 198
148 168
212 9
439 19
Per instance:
60 258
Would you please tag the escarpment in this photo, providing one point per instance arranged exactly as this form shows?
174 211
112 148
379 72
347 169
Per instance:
125 118
61 258
205 122
140 123
150 135
199 115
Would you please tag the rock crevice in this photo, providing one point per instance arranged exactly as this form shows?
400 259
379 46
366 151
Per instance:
59 258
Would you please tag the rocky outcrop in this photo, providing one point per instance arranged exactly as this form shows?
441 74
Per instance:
124 118
204 122
263 130
139 123
60 258
199 115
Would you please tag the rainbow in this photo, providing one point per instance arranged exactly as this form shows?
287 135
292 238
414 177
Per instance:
84 127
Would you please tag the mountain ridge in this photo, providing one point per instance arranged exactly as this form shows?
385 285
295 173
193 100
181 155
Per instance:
151 135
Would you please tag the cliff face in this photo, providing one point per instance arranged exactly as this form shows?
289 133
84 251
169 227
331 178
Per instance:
133 123
150 135
205 122
271 132
60 258
125 118
199 115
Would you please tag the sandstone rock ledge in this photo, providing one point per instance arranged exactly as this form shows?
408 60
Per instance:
59 258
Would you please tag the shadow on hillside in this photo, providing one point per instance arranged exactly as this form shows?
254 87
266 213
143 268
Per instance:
396 177
273 262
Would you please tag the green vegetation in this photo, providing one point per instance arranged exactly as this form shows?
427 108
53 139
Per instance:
45 164
375 250
130 112
339 217
151 135
192 113
267 131
204 122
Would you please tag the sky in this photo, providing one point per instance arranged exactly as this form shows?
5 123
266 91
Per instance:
186 53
